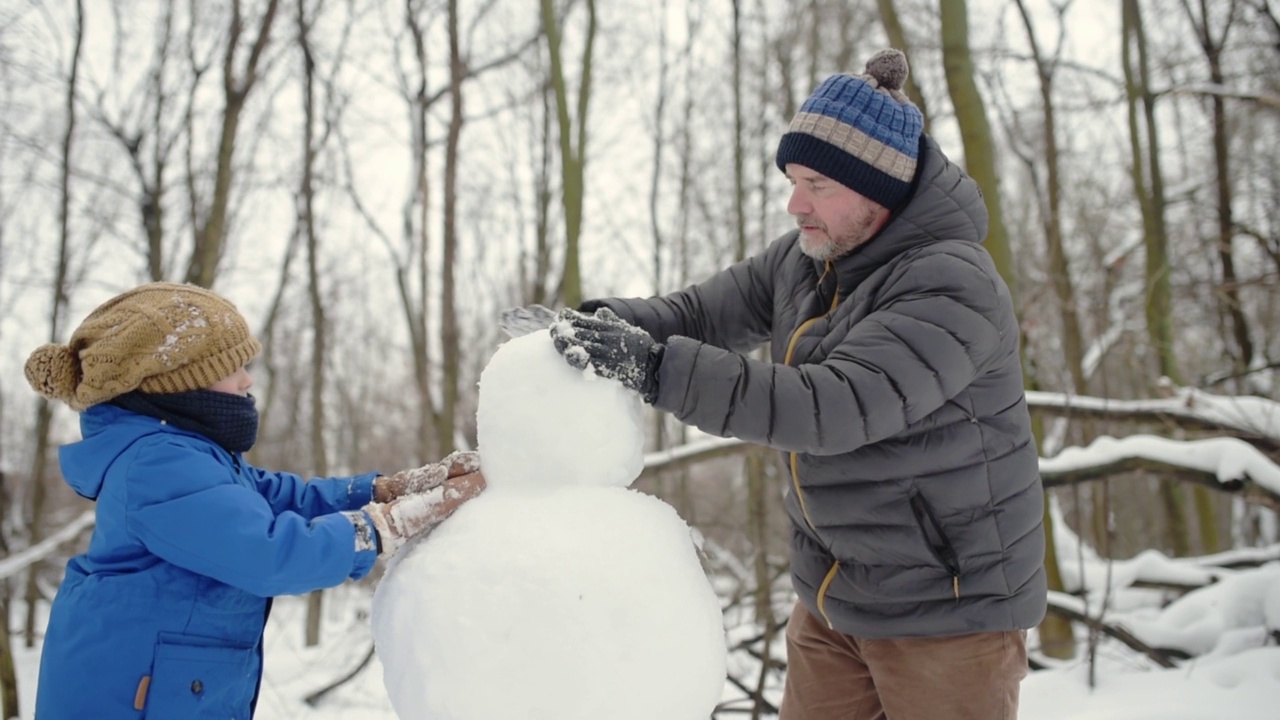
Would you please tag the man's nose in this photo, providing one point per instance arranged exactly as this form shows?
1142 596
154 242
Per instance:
799 203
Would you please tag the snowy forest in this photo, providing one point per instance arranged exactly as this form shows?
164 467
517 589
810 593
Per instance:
373 181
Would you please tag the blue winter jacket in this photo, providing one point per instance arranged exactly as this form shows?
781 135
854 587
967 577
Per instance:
162 617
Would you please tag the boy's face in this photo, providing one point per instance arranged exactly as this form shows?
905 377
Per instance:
237 383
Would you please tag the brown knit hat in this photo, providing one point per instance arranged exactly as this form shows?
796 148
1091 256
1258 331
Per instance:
157 338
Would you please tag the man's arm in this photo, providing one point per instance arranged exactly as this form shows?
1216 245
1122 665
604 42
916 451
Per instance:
939 326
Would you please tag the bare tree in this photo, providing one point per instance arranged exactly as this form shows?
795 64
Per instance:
1240 344
979 152
237 83
449 334
1059 267
1151 199
573 138
57 313
319 324
898 39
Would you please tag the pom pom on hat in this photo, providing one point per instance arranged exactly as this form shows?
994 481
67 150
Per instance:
889 68
53 371
861 131
157 338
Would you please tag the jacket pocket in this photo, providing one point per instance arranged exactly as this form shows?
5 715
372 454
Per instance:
934 537
196 678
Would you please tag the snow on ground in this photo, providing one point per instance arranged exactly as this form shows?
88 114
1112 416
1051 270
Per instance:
1240 680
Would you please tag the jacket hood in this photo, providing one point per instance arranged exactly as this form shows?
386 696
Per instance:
945 204
107 431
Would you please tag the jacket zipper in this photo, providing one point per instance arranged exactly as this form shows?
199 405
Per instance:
941 547
795 467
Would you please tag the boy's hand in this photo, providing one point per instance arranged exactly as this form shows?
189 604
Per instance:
427 477
406 517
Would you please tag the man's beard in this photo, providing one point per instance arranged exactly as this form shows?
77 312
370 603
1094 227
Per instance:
824 249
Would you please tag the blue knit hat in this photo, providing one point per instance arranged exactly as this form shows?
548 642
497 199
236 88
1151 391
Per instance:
861 131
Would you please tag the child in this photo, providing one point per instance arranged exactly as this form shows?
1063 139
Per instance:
163 616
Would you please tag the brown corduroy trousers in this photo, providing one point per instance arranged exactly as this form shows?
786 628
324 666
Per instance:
831 676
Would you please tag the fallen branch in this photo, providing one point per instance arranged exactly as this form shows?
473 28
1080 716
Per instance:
1227 464
1251 419
314 698
1158 656
11 566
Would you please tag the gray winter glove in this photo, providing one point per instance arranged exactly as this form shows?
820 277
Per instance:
614 347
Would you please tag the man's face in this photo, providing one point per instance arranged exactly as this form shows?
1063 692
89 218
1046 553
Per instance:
833 219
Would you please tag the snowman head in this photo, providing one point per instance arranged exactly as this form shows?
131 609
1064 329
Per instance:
541 423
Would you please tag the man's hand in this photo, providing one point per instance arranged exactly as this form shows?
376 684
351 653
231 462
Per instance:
407 517
614 347
427 477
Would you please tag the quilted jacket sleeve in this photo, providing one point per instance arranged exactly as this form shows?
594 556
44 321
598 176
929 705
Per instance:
938 323
189 509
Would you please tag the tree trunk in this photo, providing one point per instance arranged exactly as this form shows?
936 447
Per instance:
8 676
306 201
1146 167
449 335
975 130
1059 267
979 151
898 39
1242 352
573 141
210 238
44 409
411 269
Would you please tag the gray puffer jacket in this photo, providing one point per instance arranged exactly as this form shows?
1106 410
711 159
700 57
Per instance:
895 395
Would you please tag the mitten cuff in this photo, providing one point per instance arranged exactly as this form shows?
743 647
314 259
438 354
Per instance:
366 535
649 393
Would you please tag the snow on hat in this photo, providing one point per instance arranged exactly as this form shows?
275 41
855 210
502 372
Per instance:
158 338
861 131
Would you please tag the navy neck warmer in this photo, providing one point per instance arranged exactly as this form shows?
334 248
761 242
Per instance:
229 420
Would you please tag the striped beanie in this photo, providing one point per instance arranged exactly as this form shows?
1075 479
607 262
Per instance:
860 131
158 338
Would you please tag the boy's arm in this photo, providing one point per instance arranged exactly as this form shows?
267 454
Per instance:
188 509
286 492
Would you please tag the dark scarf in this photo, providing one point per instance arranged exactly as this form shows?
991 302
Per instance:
229 420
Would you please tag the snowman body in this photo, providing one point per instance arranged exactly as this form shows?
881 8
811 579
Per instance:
559 592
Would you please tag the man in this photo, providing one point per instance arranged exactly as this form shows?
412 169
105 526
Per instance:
895 395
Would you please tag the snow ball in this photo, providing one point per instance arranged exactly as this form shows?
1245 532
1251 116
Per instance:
543 423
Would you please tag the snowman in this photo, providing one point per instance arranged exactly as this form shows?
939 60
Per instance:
559 592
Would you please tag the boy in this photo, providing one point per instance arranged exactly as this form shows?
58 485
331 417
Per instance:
163 616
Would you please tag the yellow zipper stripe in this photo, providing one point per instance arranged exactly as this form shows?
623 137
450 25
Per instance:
822 593
795 468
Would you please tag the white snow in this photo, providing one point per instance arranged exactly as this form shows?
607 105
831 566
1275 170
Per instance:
541 422
558 593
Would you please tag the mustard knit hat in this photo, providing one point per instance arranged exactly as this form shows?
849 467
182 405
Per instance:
158 338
